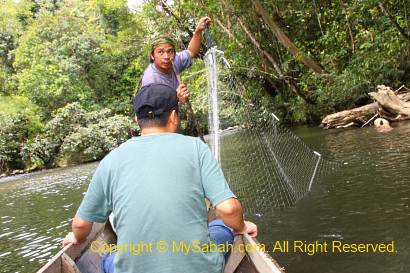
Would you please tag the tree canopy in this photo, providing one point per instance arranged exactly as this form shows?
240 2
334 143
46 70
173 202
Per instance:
302 59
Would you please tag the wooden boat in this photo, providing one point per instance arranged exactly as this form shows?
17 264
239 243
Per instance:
81 259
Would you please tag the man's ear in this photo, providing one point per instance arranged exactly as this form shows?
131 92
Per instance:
173 117
152 57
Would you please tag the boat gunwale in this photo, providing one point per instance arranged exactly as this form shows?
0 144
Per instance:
260 260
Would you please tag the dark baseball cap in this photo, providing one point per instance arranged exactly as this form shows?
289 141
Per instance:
155 100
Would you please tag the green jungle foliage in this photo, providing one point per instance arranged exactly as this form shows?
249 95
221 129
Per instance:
64 62
74 135
18 124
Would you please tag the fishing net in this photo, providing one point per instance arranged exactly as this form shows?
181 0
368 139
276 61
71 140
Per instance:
266 164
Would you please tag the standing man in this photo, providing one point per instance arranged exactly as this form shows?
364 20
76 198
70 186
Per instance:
166 63
156 185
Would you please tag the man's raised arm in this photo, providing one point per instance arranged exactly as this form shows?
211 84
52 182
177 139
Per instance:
195 43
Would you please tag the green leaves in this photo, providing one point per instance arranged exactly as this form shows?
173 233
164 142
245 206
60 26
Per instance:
96 140
18 124
74 135
74 58
49 87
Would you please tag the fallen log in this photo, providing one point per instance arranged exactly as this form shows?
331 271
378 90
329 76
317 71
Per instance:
370 120
357 116
393 107
396 109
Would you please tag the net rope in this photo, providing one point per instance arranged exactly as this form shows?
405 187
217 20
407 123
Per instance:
266 164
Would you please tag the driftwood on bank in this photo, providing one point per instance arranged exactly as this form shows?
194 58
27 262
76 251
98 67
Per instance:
388 105
394 108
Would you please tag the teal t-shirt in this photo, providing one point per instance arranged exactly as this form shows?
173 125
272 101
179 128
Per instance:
155 186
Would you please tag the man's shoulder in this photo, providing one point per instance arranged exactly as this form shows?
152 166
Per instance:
183 60
148 73
184 144
183 139
150 68
185 54
153 75
117 152
129 147
171 137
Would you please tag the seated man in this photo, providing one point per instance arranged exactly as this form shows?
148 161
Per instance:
156 185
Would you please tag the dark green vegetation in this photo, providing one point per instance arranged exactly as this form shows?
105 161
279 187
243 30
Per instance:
68 69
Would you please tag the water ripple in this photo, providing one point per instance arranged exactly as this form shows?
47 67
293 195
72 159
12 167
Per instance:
36 213
366 202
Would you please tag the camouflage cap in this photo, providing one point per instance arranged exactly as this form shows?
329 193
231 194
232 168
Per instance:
160 40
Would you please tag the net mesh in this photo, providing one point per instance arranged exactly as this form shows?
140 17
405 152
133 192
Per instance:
266 164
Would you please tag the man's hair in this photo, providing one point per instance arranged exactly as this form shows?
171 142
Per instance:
157 121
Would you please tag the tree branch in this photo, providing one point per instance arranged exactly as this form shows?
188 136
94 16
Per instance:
394 22
219 23
285 41
182 26
348 26
171 13
278 70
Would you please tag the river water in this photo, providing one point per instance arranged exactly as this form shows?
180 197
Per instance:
36 213
367 201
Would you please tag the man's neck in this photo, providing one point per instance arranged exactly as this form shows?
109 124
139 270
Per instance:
154 131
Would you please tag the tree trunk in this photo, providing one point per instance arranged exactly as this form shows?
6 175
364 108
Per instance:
285 41
228 32
393 106
357 115
349 28
275 65
394 22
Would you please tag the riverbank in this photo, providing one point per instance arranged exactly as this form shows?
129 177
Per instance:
28 174
17 174
4 178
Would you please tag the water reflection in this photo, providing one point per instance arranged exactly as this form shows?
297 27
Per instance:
35 214
367 202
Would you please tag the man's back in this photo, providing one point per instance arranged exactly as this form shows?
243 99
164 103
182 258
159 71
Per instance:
156 186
